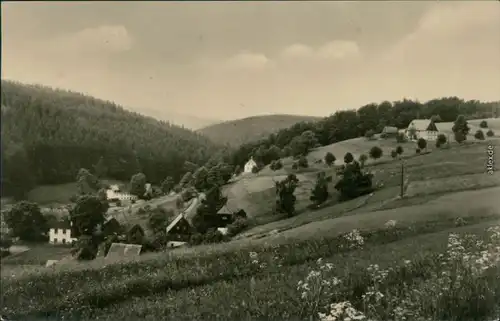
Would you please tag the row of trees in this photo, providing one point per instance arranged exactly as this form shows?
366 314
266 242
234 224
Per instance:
301 137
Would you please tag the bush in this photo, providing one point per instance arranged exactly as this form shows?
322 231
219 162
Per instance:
238 226
422 143
490 133
375 152
417 151
441 140
348 158
394 154
362 159
276 165
303 162
483 124
354 183
479 135
330 159
401 138
399 150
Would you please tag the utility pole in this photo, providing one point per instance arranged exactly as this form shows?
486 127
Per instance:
402 179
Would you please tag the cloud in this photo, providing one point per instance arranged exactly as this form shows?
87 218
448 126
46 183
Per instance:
333 50
248 61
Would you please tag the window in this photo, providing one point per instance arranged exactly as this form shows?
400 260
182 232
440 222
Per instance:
55 230
64 241
55 240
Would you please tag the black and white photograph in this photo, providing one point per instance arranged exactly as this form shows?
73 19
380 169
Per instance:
250 160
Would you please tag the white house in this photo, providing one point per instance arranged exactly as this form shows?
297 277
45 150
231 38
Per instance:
60 233
114 193
422 128
249 166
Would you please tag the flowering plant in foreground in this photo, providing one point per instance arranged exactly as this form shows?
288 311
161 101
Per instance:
452 282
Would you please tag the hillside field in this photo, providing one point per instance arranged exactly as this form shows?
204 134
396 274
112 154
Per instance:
193 283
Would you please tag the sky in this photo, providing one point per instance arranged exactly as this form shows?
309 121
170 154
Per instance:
226 60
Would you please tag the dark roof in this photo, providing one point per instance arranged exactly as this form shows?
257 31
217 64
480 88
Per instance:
61 224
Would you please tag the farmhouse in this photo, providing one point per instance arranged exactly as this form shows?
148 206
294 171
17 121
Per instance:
179 229
249 166
422 128
389 131
111 226
113 194
60 233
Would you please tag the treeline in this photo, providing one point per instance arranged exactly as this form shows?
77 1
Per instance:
349 124
49 134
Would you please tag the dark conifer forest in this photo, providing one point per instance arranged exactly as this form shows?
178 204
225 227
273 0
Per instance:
49 134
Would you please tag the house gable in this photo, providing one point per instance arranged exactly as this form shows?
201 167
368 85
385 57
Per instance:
432 127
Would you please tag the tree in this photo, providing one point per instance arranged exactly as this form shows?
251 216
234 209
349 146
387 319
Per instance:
399 150
167 184
460 129
302 162
158 219
490 133
483 124
100 168
422 143
362 159
186 179
376 152
330 159
441 140
479 135
87 214
285 198
301 145
276 165
354 182
348 158
320 190
27 221
394 154
18 177
138 185
190 166
213 202
436 118
87 183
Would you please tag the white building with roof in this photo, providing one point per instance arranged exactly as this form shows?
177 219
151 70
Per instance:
422 128
249 165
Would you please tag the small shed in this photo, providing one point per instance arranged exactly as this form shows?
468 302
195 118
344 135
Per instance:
390 131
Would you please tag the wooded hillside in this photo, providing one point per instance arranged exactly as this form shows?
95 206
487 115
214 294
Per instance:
49 134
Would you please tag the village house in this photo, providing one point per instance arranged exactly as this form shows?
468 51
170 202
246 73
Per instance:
114 194
422 128
60 233
249 166
111 226
389 132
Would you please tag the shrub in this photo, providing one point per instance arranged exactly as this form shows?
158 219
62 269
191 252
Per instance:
354 183
303 162
394 154
384 135
320 190
483 124
330 159
479 135
362 159
441 140
422 143
348 158
401 138
276 165
285 198
417 151
490 133
238 226
399 150
375 152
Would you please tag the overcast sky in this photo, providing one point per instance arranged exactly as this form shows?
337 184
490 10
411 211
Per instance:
225 60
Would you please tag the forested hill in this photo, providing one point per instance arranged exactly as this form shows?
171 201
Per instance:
251 129
48 134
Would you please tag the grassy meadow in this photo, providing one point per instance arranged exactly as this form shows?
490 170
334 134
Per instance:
433 255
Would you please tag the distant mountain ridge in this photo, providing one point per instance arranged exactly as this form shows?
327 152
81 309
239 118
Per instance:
249 129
